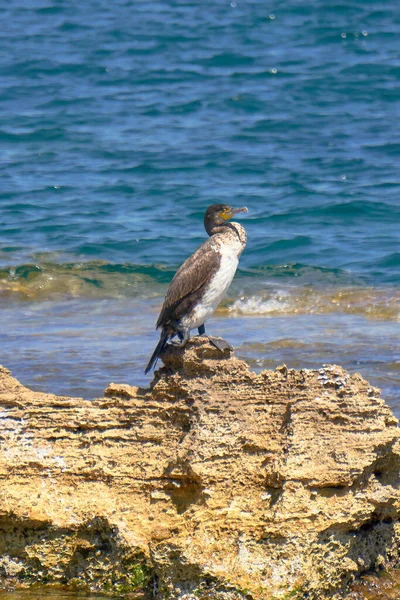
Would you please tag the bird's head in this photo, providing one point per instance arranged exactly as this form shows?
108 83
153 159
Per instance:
218 214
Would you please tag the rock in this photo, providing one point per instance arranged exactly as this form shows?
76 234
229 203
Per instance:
214 483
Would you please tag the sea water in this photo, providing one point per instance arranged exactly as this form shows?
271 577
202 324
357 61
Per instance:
121 122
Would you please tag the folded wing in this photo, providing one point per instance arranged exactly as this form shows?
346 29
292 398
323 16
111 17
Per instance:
189 283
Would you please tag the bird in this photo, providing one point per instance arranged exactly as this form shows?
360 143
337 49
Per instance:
201 282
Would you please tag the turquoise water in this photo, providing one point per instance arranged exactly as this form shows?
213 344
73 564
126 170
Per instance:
121 122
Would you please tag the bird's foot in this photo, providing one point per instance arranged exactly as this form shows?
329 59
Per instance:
220 344
178 344
184 336
201 329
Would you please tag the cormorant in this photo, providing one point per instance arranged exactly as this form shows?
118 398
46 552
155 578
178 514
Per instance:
202 281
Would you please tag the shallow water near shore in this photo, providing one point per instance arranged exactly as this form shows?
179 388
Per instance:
76 346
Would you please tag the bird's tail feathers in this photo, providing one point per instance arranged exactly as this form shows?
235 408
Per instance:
158 349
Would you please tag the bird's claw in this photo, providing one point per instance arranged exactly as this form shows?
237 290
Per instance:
183 335
178 343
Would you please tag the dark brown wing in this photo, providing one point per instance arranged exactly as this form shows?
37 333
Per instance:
188 283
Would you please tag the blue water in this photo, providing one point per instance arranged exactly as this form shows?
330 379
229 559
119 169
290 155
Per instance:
121 122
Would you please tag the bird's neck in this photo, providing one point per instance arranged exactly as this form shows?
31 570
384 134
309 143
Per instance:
216 229
232 230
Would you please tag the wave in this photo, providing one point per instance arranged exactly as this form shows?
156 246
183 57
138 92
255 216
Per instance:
47 274
269 290
92 279
372 303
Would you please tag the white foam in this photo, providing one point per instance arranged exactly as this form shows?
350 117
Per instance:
255 305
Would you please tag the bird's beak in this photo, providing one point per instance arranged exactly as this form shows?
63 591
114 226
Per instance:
239 210
229 213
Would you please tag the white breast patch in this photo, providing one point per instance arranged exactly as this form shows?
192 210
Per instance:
216 289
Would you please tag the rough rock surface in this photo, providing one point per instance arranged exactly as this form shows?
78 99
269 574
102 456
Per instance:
215 482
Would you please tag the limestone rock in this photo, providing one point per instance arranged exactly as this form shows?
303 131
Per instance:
215 482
